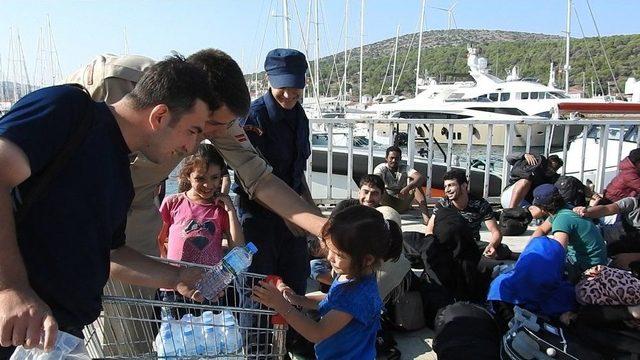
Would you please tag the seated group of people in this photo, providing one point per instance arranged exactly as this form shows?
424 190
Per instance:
569 254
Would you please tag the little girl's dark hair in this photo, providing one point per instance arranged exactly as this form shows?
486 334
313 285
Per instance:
359 231
205 155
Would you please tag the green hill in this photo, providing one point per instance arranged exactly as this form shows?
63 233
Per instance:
444 57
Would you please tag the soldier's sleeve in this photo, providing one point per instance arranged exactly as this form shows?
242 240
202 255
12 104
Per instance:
237 151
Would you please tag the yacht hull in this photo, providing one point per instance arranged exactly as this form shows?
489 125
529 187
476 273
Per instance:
360 168
481 135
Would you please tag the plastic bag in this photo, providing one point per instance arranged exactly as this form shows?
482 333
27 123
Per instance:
67 347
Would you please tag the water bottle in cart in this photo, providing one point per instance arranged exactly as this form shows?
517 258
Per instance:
222 274
169 340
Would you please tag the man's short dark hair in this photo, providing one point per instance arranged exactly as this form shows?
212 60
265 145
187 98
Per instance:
173 82
347 203
372 180
226 79
555 161
553 205
456 174
394 149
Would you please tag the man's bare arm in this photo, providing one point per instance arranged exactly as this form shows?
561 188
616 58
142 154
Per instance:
597 211
417 179
430 224
541 230
23 315
130 266
277 196
496 238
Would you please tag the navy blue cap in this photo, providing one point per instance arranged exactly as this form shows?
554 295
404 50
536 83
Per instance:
543 194
286 68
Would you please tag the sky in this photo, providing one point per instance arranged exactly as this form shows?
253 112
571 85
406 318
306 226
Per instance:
248 29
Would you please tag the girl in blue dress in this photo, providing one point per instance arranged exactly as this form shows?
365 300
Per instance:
358 240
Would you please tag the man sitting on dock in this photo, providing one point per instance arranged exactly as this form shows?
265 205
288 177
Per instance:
627 182
475 210
403 186
371 190
528 172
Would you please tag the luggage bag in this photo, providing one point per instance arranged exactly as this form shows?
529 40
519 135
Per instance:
532 338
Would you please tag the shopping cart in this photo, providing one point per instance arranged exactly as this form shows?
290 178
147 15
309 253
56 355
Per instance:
137 323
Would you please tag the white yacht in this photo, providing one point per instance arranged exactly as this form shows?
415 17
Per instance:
486 98
588 154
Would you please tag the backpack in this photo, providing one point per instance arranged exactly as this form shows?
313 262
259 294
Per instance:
109 77
522 170
572 190
466 331
514 221
533 338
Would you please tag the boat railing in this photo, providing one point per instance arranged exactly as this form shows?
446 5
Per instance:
486 154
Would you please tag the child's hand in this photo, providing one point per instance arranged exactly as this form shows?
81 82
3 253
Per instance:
269 295
225 201
288 294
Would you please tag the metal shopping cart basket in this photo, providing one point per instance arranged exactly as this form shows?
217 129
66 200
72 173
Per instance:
138 322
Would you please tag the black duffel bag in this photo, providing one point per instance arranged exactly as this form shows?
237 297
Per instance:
514 221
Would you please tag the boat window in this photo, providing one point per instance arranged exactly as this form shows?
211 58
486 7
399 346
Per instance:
484 97
524 95
320 139
504 96
360 141
455 96
429 115
534 96
559 95
493 96
500 110
631 134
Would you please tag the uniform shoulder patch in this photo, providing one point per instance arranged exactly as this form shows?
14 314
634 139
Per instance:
254 129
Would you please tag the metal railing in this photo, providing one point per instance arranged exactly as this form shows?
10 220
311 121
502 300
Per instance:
486 144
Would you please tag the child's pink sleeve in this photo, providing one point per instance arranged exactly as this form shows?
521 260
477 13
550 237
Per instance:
166 209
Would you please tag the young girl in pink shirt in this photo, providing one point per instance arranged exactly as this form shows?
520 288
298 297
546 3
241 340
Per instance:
197 218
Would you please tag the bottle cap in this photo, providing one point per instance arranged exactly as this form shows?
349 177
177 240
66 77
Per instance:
252 248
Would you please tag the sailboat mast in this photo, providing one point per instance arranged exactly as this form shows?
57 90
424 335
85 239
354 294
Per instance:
287 29
346 43
361 48
317 67
566 60
395 56
424 3
126 41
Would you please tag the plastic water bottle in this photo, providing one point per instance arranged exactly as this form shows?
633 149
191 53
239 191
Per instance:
165 346
231 339
211 334
189 335
168 340
233 264
67 346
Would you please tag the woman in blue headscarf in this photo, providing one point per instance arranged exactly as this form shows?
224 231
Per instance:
536 283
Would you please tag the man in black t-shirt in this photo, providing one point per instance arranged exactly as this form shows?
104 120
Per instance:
55 261
473 209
